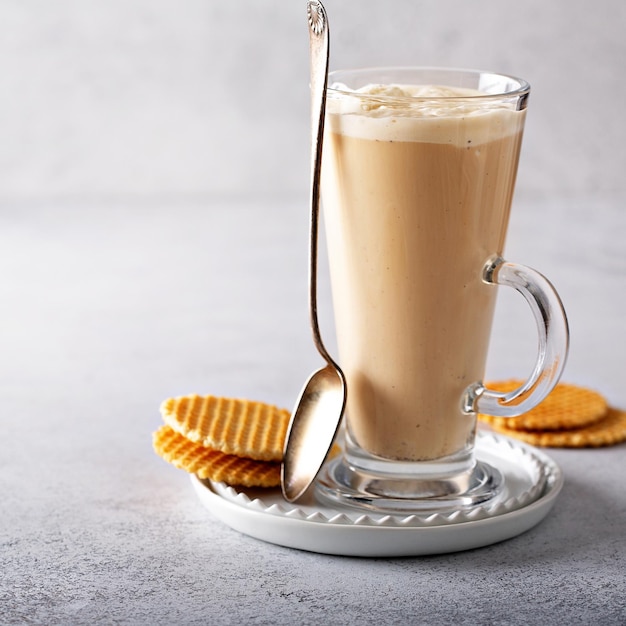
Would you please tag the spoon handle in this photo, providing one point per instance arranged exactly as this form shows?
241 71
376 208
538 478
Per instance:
319 43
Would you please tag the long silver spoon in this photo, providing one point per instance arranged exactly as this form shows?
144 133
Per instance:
316 417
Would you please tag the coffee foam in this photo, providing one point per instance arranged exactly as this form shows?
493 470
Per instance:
424 113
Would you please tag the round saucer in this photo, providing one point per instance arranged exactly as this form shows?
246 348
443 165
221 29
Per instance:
532 482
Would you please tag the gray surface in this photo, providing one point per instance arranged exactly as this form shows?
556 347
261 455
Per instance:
108 309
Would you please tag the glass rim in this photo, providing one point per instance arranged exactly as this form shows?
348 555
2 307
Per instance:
520 87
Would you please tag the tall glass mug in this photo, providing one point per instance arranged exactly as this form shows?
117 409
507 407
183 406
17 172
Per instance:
419 167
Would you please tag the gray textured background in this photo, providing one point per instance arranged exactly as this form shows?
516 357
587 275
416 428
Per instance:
175 98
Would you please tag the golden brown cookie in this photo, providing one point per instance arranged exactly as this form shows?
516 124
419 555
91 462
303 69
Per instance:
206 463
245 428
606 432
566 407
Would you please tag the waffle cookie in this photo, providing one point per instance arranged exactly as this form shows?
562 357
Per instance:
566 407
213 464
243 428
609 430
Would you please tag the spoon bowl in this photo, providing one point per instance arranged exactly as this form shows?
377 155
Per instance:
313 428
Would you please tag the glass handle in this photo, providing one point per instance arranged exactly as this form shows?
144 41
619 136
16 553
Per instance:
553 333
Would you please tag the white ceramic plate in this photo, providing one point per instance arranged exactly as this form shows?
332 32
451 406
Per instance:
532 482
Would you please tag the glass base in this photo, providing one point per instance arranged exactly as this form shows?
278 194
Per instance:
410 490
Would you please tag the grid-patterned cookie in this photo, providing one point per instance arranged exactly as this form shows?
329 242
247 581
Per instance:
207 463
245 428
608 431
566 407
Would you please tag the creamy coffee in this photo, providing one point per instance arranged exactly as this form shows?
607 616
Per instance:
416 198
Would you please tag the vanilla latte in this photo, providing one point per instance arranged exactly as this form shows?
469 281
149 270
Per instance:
416 198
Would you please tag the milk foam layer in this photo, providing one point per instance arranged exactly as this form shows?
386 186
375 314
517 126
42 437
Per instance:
425 113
